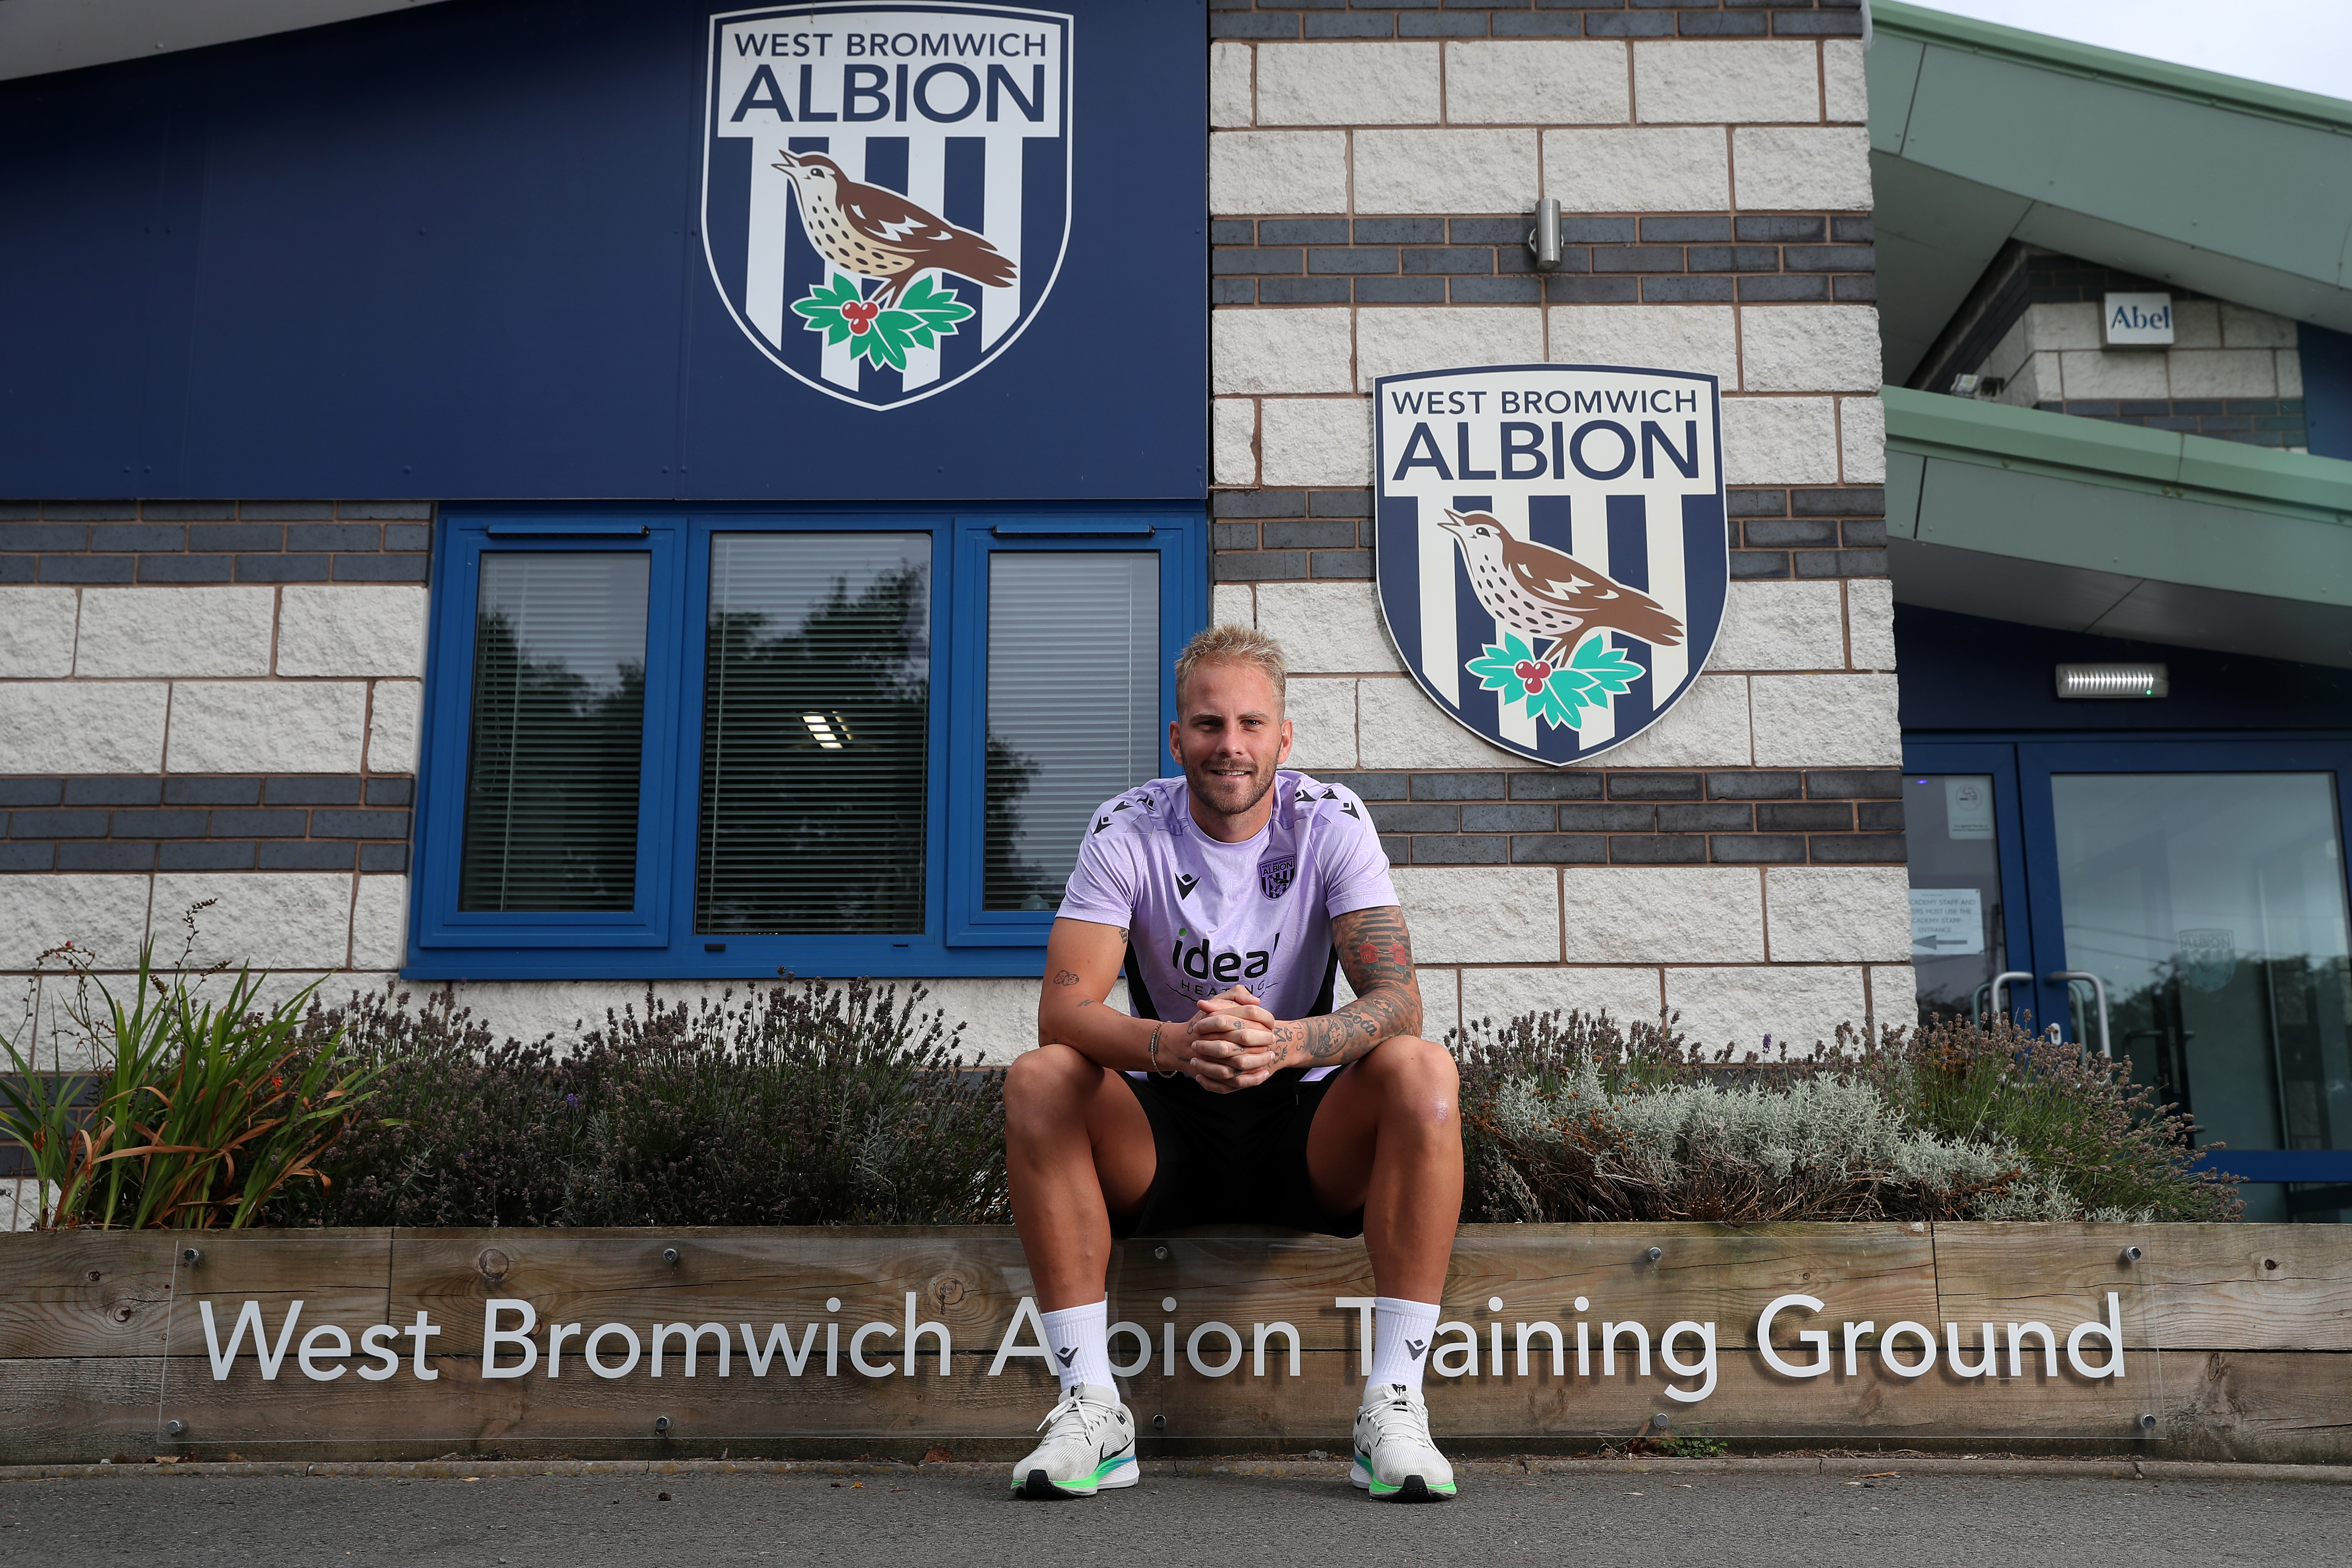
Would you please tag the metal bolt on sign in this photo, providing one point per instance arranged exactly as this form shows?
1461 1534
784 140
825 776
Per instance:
1656 1253
191 1257
174 1428
2133 1255
670 1256
661 1422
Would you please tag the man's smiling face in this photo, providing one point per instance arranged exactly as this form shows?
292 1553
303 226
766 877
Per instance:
1230 738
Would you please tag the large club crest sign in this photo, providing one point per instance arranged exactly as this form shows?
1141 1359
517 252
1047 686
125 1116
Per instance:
1552 562
885 190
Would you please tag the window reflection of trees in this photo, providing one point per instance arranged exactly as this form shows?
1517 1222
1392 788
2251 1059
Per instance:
796 837
2283 1020
1012 881
552 769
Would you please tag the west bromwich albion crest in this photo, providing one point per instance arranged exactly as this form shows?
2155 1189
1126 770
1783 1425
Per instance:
1553 563
885 189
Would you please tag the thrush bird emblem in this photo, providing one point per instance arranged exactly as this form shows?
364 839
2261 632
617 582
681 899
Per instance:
873 231
1548 593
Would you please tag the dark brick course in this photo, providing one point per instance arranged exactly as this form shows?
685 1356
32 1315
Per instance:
1835 816
1484 260
216 542
115 822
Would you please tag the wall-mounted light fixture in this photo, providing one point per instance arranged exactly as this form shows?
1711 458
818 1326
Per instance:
1544 238
2113 682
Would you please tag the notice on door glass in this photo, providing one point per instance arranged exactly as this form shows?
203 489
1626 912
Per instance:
1946 921
1967 807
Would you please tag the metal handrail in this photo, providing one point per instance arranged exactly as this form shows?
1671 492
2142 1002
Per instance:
2099 990
1999 984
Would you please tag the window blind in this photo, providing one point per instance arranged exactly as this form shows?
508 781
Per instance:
1072 708
815 733
556 733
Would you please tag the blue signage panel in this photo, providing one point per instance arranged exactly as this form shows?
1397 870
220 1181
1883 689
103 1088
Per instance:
558 249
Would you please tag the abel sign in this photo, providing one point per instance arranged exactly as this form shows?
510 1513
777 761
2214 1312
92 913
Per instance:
1552 562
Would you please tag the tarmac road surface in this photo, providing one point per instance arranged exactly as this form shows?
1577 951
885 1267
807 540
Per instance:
960 1515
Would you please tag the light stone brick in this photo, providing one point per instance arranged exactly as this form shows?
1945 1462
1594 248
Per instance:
1664 914
1794 1006
1861 441
1229 85
1327 627
2290 372
270 919
83 727
1684 82
1232 605
1234 435
1677 170
1781 169
1280 351
2112 373
1445 171
1316 441
352 629
1845 96
36 632
1781 625
1826 722
1779 441
1894 998
267 726
2008 355
1707 727
1347 84
1838 914
105 916
1410 338
393 722
2245 328
1519 82
1809 348
380 924
175 631
999 1015
2072 324
1277 172
1870 621
1627 996
562 1010
1481 914
2200 372
2036 380
1398 726
2196 324
1322 715
1676 337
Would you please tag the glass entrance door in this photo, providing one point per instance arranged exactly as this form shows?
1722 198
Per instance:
2182 903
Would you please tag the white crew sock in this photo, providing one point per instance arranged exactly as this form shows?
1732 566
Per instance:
1079 1338
1401 1330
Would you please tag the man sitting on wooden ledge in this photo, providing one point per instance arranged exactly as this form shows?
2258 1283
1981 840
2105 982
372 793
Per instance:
1235 1093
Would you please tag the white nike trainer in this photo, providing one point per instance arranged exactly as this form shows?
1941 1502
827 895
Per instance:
1395 1460
1089 1447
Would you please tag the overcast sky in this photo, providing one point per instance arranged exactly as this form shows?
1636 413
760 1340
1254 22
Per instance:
2305 44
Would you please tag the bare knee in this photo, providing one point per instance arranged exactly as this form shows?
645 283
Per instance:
1050 1082
1415 1079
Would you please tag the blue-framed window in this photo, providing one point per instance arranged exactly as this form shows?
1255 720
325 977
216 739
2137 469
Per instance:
846 741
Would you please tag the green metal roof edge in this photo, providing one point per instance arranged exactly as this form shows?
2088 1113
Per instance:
2121 456
2064 55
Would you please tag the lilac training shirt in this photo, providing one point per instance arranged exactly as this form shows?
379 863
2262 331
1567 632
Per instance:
1204 917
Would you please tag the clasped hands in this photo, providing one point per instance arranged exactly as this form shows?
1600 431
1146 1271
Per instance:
1226 1045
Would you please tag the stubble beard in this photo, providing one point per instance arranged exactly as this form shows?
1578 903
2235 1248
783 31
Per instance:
1213 791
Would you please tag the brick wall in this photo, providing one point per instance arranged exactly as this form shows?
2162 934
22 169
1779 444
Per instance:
1741 861
2033 321
210 701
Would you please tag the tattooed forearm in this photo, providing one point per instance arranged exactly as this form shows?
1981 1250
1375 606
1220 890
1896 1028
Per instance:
1377 952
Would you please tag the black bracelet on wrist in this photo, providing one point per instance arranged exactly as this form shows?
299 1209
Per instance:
1152 1052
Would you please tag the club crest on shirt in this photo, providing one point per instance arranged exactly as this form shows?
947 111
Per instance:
1275 873
1552 560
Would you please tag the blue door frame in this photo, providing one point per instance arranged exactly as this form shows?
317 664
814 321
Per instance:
2033 926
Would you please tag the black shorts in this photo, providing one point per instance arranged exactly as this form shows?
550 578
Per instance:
1233 1159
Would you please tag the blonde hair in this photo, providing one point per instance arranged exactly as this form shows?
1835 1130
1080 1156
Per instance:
1232 645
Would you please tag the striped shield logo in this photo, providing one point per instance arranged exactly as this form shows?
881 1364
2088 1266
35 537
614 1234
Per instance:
885 189
1552 560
